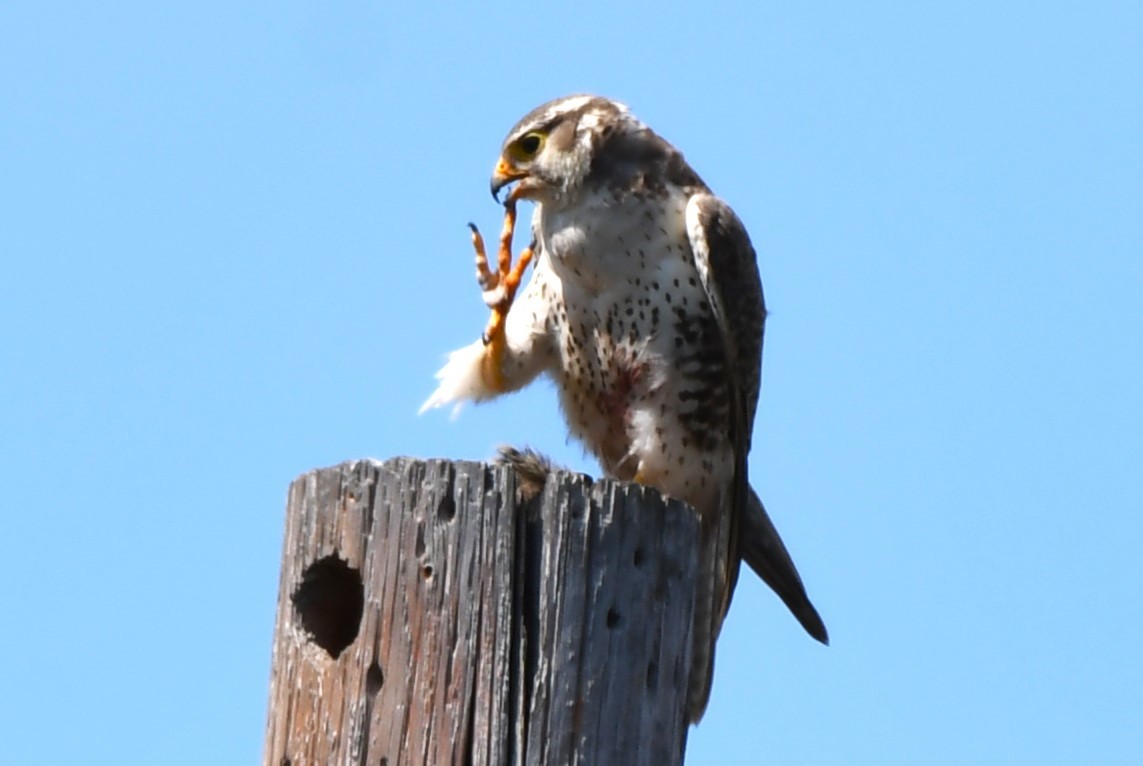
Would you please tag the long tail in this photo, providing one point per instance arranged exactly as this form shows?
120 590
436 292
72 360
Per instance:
762 549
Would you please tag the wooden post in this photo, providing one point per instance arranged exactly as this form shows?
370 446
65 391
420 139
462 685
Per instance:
429 613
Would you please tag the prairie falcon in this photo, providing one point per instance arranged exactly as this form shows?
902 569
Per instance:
645 307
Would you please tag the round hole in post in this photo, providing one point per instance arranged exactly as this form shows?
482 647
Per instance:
613 618
374 678
330 601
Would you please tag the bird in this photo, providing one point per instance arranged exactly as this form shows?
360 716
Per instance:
645 307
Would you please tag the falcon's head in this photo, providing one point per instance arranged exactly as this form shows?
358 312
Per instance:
558 145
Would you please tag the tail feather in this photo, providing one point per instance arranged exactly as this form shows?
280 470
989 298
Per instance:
763 551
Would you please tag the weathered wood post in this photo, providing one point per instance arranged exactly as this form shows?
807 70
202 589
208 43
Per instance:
429 613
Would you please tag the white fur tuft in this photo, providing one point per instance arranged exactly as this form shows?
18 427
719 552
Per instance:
461 380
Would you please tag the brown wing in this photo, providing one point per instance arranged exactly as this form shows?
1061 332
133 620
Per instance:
729 269
726 266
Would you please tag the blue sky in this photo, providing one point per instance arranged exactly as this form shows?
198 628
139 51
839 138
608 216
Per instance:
232 248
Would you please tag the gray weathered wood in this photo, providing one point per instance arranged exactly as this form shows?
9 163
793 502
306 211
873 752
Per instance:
429 614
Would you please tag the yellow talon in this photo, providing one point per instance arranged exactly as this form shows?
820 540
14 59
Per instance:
507 277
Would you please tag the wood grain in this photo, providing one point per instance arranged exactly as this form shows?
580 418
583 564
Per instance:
428 613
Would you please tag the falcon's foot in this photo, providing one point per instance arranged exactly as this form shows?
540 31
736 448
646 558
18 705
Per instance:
476 372
499 287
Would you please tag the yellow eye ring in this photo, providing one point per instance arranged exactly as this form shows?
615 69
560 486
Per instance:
529 145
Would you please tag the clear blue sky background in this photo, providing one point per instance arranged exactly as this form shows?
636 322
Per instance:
232 248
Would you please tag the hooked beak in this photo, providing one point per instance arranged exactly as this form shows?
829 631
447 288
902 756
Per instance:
504 174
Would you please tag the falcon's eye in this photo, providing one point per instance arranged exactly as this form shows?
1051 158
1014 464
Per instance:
530 145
